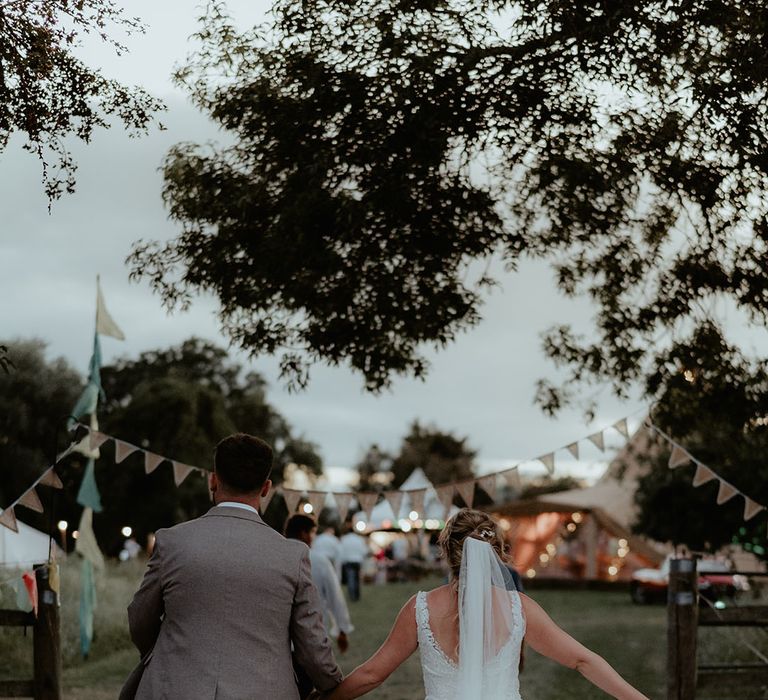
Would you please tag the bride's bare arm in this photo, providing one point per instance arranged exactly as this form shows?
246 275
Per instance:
548 639
399 645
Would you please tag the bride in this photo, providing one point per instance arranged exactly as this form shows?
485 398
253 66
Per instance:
470 632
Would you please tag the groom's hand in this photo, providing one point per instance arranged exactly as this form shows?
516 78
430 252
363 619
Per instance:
343 642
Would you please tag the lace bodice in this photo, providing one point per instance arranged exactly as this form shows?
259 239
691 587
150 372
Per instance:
440 671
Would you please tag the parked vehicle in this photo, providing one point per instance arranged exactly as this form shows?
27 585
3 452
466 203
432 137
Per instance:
716 581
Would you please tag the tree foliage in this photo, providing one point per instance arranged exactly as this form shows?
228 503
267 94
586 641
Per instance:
442 455
381 147
47 94
711 411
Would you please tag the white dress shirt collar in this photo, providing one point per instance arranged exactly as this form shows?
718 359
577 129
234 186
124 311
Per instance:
235 504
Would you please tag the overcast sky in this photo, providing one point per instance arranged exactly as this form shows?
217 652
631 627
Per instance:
481 387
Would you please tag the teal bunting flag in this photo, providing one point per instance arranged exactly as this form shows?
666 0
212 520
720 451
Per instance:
88 495
87 606
89 399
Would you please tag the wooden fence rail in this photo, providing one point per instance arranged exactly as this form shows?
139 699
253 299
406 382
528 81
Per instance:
46 653
684 617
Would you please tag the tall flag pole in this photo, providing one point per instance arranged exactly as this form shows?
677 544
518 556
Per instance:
88 495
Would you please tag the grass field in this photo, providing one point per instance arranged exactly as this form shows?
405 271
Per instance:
630 637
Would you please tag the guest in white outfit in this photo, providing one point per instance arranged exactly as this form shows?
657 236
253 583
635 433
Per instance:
327 544
354 551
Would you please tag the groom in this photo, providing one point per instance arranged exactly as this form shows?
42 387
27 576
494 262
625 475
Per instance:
224 596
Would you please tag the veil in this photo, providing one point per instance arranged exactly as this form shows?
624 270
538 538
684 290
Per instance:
485 624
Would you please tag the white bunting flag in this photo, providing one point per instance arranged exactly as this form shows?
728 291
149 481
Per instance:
466 489
445 496
597 440
317 501
50 478
416 498
180 472
703 475
395 500
751 509
367 501
512 477
292 499
548 460
573 448
8 519
31 500
105 325
621 426
152 461
488 484
343 500
122 450
97 439
264 501
725 493
679 457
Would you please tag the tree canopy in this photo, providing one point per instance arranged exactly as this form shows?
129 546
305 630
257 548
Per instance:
380 149
48 94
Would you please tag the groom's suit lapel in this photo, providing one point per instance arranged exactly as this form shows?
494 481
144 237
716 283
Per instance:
232 512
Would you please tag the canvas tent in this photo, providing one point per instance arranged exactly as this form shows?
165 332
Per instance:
24 548
584 533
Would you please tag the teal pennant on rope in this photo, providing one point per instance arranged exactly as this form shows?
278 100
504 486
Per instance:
89 495
89 399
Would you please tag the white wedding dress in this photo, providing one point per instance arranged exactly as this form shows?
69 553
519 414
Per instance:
492 628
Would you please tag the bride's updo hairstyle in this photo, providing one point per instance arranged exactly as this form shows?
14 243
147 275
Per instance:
468 523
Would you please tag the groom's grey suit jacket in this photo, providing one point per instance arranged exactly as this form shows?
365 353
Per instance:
221 601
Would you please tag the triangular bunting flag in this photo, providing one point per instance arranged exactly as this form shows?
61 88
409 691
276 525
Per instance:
367 501
621 426
152 461
679 457
104 322
317 501
292 499
445 495
703 475
122 450
466 489
573 448
548 461
751 509
97 439
488 484
50 478
180 472
512 477
8 518
416 499
88 494
725 493
395 500
265 500
597 440
342 504
31 500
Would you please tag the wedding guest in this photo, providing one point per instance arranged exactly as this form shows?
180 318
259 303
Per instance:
354 551
328 544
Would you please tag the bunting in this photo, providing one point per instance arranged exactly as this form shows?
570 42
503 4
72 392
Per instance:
395 500
466 489
703 475
548 460
751 509
152 461
292 499
367 501
343 500
597 440
50 478
416 498
8 519
622 427
512 477
488 484
181 471
30 499
445 496
573 448
679 457
122 450
317 501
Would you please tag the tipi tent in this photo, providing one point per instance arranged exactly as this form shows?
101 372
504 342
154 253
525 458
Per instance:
24 548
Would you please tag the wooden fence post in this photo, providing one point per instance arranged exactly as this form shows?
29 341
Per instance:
47 640
682 629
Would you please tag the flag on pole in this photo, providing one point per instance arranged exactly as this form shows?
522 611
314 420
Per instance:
105 324
88 495
89 399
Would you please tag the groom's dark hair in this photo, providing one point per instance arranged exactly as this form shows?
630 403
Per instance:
242 462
